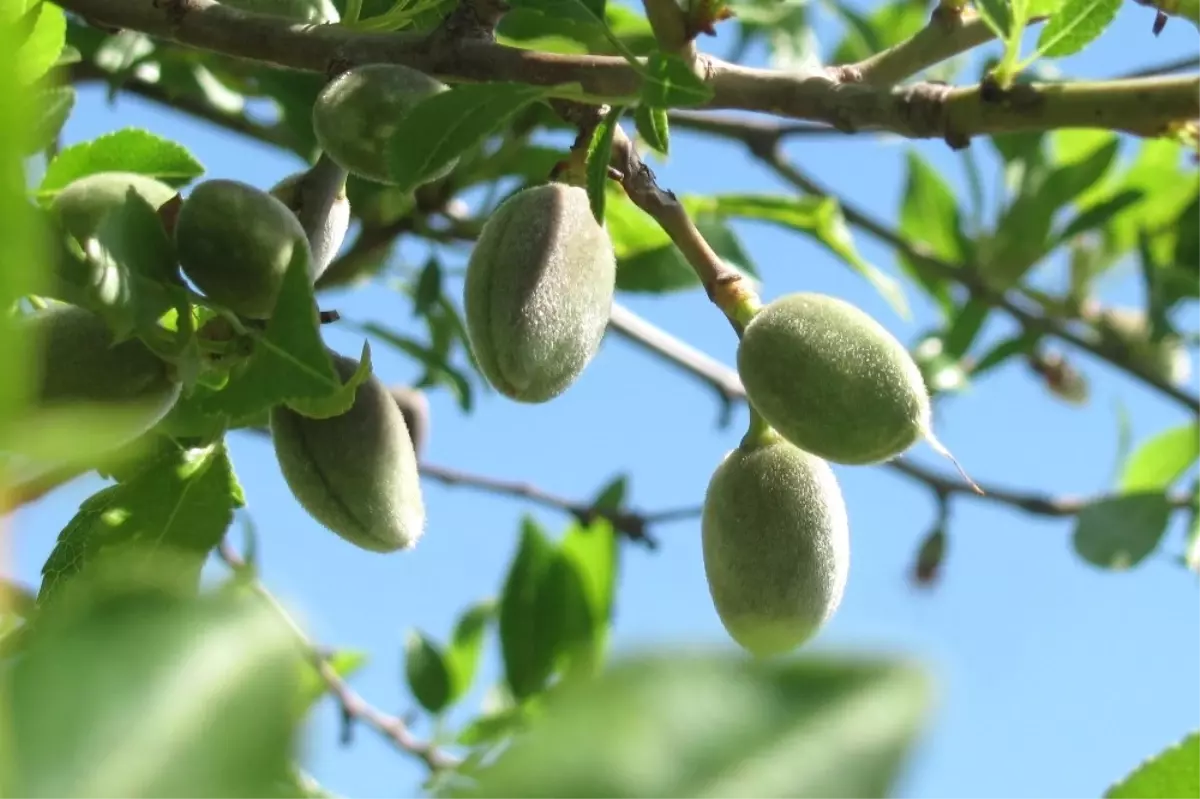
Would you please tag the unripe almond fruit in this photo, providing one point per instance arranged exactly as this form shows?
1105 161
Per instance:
78 363
357 113
235 243
356 473
833 381
83 203
539 292
776 544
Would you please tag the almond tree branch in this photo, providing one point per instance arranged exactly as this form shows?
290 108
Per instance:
946 35
631 524
920 110
669 24
353 706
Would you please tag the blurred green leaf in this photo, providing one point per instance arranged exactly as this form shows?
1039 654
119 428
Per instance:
647 259
886 25
582 23
526 640
466 646
1175 771
438 370
429 678
1119 532
442 127
53 106
183 502
819 217
1074 26
42 47
591 553
1161 460
1166 191
154 698
1097 216
612 497
429 287
126 274
1001 352
344 662
929 214
686 725
125 150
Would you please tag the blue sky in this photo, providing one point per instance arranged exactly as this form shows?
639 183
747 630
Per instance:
1053 678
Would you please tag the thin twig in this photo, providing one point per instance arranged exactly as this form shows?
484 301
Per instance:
83 72
968 276
354 708
726 381
945 36
631 524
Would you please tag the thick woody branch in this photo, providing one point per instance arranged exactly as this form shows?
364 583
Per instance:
920 110
669 24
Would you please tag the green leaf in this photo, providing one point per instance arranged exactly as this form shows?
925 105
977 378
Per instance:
290 361
599 155
526 640
126 150
582 26
442 127
145 697
929 214
53 106
591 553
466 646
1098 215
669 82
1076 24
1175 771
1161 460
41 49
344 662
819 217
439 371
688 725
429 287
1119 532
612 497
653 125
25 264
647 259
997 15
888 25
339 401
182 502
428 676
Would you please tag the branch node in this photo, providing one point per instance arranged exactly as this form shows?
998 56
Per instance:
175 10
472 19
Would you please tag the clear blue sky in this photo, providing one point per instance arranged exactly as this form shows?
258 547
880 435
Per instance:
1054 678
